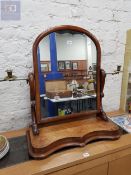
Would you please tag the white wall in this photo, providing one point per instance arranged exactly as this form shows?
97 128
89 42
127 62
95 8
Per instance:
44 48
91 54
69 47
107 20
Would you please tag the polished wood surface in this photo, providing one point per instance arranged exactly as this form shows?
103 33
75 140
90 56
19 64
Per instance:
15 133
44 141
77 129
32 98
73 160
69 130
120 166
101 113
81 170
98 170
72 133
69 161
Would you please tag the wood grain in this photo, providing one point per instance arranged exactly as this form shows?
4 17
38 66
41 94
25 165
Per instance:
120 166
79 170
72 160
71 133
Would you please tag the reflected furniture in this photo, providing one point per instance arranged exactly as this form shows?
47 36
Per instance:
50 133
78 70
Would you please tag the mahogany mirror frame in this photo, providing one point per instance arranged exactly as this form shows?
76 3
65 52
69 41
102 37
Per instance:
44 136
35 85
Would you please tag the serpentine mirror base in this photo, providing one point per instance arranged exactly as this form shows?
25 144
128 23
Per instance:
70 133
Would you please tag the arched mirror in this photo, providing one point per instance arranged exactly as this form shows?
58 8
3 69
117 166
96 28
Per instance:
67 86
67 70
67 65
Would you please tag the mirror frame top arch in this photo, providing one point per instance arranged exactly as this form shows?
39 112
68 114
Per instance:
35 85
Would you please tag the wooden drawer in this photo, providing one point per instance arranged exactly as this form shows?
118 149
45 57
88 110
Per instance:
83 170
99 170
120 166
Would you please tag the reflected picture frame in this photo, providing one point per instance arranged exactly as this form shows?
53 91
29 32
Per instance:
68 65
44 67
74 65
61 65
94 66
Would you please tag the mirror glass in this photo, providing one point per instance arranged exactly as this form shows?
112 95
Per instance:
67 72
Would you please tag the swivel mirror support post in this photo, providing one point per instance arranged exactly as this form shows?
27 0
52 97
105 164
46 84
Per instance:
33 103
103 74
102 114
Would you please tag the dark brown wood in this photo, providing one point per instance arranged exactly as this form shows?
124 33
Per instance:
66 118
102 81
32 86
33 101
48 135
68 134
39 119
34 125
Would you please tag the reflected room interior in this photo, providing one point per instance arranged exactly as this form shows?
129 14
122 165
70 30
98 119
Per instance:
67 62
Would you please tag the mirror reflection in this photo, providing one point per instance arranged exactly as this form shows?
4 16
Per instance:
67 72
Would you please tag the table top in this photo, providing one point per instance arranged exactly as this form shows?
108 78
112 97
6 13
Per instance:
67 157
71 98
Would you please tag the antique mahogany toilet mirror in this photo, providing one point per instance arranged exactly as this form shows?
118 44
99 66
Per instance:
66 92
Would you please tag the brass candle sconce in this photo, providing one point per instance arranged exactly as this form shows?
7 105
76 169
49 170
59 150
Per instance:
10 75
117 71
